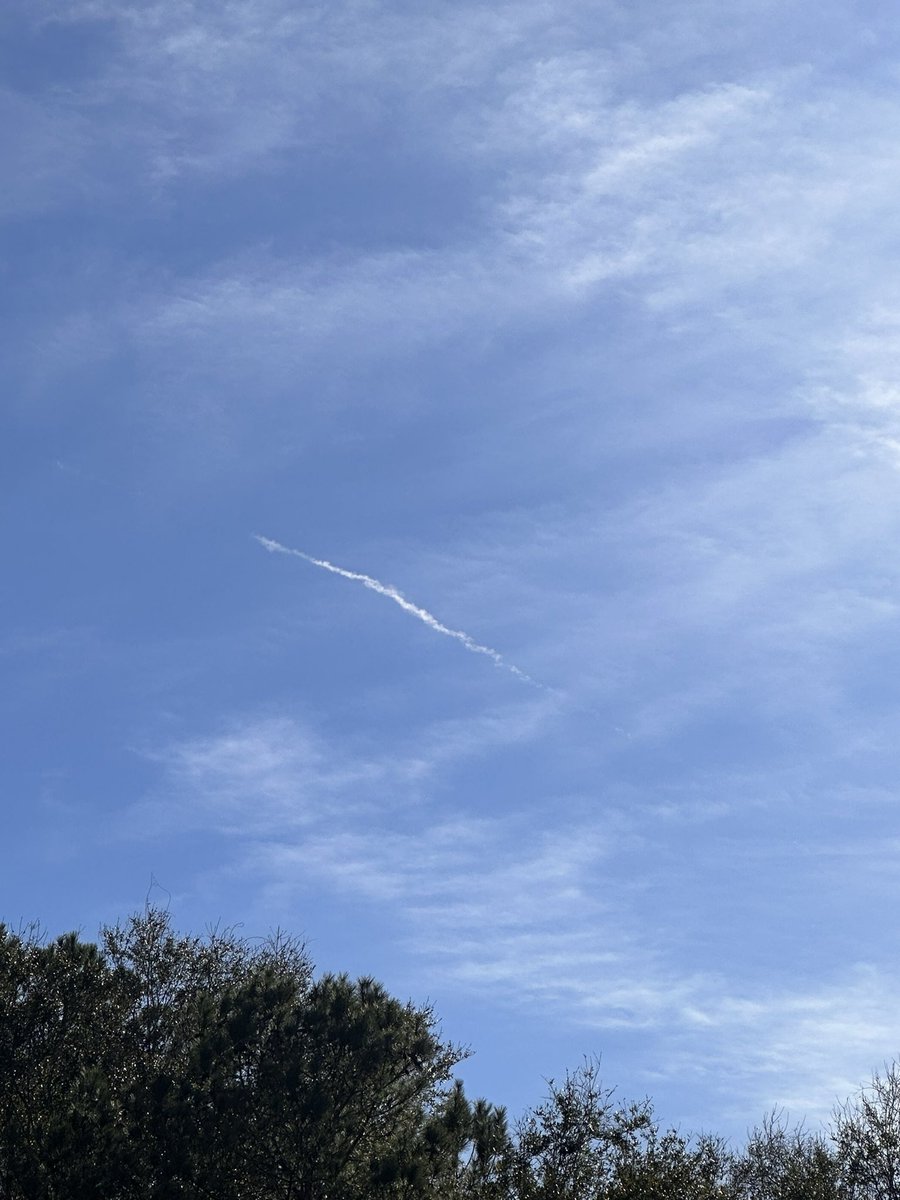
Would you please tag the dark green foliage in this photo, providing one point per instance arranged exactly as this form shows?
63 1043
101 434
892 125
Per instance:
779 1163
462 1151
582 1144
867 1135
62 1016
568 1146
157 1066
665 1165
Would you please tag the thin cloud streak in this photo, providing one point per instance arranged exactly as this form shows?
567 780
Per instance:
422 614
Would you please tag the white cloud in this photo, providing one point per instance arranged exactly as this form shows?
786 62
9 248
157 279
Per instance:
539 907
518 922
800 1050
270 773
521 922
738 201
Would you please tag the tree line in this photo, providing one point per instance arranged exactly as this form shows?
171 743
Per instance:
154 1065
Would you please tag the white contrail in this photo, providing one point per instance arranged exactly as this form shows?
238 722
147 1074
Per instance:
385 589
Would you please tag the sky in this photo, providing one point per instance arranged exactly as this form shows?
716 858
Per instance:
449 469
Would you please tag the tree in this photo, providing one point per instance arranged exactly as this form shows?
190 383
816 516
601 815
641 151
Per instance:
866 1134
347 1081
667 1165
583 1144
780 1163
159 1065
62 1013
461 1153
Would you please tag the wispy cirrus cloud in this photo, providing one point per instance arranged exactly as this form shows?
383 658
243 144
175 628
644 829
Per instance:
274 771
570 909
521 925
734 205
748 183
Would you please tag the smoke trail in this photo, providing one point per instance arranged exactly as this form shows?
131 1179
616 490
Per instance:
385 589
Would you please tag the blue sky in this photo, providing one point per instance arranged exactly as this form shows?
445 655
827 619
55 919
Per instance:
577 325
